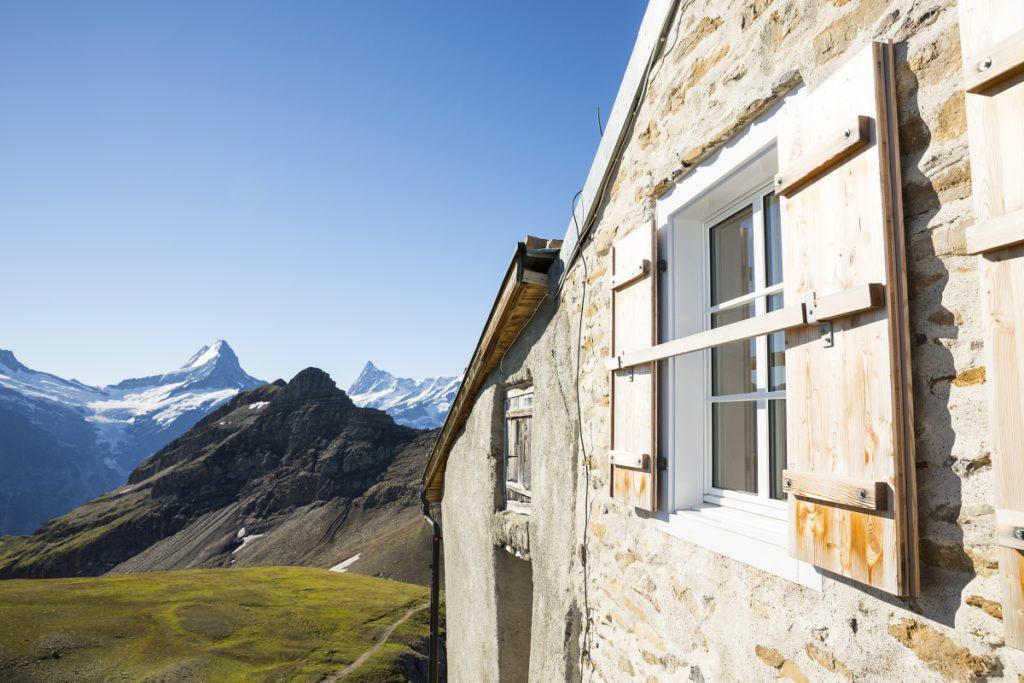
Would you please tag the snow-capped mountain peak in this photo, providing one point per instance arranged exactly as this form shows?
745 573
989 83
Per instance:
133 417
423 404
9 363
209 354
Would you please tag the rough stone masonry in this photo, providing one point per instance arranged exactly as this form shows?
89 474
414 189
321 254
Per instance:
614 598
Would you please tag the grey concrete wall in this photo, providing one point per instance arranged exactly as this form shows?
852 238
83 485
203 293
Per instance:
647 606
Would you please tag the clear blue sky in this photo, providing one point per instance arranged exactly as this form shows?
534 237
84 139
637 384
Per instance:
319 183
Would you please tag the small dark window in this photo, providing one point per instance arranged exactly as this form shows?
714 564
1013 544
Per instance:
518 418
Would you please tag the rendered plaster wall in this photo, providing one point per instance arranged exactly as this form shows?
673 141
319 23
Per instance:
648 606
493 579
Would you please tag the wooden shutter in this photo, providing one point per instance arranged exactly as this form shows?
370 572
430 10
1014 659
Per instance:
849 420
633 458
992 44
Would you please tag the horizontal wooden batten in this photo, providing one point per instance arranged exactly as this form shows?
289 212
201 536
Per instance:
841 144
636 461
828 488
620 280
996 233
1010 528
521 412
847 302
999 62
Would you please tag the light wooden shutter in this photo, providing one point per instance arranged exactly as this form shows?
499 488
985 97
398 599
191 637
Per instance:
850 470
992 44
633 458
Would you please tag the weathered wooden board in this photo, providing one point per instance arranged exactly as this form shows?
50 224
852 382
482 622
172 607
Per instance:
848 406
995 129
633 389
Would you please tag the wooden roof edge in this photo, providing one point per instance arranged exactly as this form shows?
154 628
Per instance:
521 276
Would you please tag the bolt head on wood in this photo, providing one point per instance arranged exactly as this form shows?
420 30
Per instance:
863 493
985 64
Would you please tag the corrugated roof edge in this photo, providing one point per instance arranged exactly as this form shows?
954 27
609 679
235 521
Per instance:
653 30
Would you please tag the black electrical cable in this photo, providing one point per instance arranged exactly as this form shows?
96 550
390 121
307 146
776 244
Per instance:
584 556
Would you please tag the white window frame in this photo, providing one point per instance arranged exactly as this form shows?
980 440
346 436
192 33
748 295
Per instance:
730 523
517 487
761 502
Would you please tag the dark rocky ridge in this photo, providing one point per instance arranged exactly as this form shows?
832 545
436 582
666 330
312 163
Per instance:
296 469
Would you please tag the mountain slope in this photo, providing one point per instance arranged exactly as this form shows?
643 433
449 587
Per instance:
424 404
284 474
63 442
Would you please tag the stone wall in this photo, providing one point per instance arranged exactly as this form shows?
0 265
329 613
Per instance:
617 596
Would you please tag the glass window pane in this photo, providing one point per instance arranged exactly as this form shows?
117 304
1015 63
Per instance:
733 365
732 257
772 241
776 351
777 445
734 446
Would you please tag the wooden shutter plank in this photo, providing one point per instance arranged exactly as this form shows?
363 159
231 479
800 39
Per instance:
633 389
848 406
995 128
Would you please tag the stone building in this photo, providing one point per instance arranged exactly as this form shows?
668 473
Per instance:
757 416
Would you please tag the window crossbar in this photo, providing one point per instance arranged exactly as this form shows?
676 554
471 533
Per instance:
840 304
746 298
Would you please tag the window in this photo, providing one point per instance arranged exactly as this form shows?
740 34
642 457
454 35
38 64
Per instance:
745 390
722 412
518 418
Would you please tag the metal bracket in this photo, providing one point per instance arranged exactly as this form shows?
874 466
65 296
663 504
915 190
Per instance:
810 310
811 316
827 336
632 370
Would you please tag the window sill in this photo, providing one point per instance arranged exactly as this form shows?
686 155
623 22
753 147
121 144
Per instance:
754 540
511 531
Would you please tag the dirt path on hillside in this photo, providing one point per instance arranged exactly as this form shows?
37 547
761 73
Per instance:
376 646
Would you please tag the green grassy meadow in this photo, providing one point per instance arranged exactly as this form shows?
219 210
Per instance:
254 624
